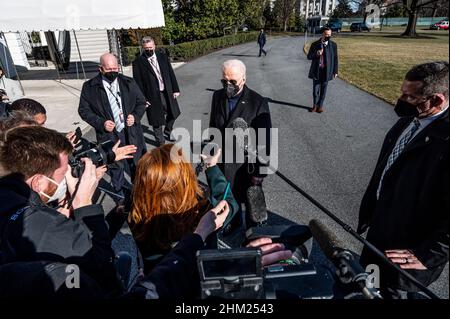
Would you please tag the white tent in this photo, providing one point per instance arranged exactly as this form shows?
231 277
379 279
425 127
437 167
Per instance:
76 15
58 15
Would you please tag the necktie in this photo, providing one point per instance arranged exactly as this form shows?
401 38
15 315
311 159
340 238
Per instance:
322 62
158 73
115 107
398 150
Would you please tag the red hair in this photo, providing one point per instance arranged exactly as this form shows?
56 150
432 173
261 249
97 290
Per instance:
166 198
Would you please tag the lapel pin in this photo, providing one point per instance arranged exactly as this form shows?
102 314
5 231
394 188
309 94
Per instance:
427 139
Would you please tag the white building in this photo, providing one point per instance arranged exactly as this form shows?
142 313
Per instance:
308 8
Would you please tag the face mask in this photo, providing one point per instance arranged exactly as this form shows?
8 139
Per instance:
149 53
111 76
326 39
406 109
232 89
60 192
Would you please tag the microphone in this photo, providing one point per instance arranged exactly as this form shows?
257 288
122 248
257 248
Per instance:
199 168
348 269
256 204
241 139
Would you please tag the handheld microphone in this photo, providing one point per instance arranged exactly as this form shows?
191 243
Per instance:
241 139
256 204
348 268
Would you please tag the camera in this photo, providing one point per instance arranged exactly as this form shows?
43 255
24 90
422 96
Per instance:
99 154
238 274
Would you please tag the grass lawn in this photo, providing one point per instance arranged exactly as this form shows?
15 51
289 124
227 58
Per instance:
378 61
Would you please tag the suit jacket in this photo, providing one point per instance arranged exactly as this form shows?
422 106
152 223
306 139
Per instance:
254 109
332 63
147 80
94 108
412 211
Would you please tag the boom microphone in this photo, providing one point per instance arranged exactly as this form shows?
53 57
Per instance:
256 203
348 268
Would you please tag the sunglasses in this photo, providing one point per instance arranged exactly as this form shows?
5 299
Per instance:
232 82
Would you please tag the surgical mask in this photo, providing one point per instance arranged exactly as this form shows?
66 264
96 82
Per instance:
60 192
149 53
111 76
405 109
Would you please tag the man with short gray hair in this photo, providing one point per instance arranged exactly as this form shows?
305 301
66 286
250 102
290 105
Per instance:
406 204
155 76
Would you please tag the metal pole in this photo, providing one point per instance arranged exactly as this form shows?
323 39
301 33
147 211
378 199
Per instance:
15 69
79 54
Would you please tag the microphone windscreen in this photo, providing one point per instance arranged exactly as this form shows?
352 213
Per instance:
241 136
256 204
326 239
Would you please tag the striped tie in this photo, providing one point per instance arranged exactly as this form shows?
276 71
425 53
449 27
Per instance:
398 150
115 107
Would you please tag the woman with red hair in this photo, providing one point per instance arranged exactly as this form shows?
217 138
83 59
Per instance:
168 201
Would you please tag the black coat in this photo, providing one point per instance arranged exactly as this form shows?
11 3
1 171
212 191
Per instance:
94 109
262 39
41 233
332 64
148 82
254 109
412 211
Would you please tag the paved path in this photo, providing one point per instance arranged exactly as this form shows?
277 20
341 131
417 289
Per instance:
330 155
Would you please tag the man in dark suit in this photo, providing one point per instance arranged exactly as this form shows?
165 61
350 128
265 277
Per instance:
154 75
262 42
234 101
406 205
324 67
113 105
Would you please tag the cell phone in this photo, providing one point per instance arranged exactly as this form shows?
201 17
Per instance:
78 135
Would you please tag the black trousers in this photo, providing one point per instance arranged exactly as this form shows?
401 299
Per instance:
117 171
170 120
261 50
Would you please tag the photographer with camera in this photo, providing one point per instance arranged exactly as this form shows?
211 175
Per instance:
35 175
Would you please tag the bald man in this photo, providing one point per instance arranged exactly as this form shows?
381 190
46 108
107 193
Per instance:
236 100
113 105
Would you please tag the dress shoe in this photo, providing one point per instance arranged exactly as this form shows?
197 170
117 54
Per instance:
319 110
314 109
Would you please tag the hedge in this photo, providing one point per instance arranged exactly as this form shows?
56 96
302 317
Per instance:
190 50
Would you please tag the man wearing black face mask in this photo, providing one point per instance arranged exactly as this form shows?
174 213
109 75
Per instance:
324 67
113 105
236 100
155 76
406 204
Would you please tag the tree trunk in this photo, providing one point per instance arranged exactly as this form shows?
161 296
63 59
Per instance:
411 27
285 25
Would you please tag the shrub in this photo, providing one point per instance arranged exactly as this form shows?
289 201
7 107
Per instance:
190 50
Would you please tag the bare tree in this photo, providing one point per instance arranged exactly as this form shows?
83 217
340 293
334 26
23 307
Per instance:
284 10
413 7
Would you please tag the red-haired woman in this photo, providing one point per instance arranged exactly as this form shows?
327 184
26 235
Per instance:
168 201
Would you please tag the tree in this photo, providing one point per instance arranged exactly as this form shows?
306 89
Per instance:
413 7
342 10
283 11
251 12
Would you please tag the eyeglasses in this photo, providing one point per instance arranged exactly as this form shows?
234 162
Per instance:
225 82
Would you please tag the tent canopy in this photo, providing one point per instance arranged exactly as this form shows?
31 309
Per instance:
59 15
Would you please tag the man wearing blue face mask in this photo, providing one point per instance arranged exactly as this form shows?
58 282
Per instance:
36 180
406 204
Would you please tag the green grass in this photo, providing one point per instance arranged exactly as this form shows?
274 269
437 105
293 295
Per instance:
378 61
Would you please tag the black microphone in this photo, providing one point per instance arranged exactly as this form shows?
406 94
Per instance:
348 268
241 139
